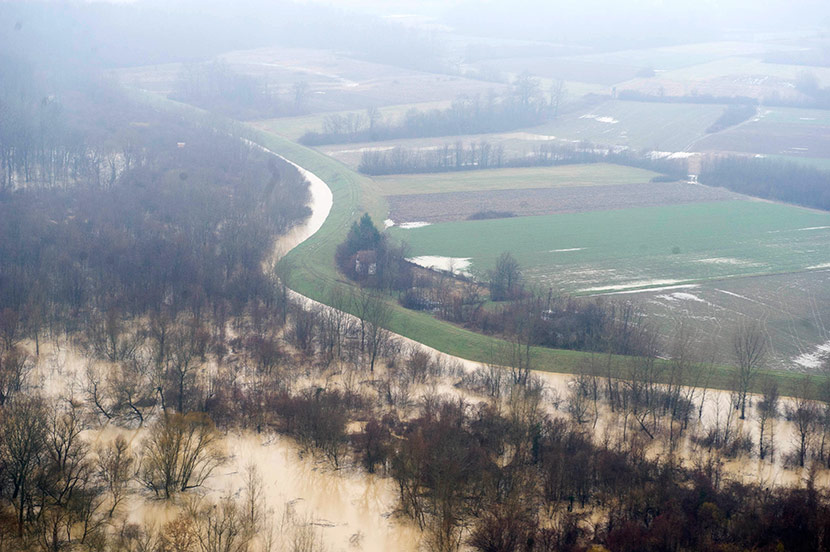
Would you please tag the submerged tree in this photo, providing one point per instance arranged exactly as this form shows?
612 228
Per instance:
180 453
750 345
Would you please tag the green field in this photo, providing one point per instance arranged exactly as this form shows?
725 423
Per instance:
789 132
638 248
593 174
639 125
675 57
822 163
798 116
294 127
737 67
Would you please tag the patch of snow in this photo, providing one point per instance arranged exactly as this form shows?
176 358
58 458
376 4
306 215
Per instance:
600 119
726 261
814 359
456 265
631 285
411 225
365 149
645 290
566 250
822 265
736 295
388 223
682 296
812 228
671 154
530 136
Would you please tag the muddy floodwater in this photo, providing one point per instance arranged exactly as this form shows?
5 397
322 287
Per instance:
346 508
350 509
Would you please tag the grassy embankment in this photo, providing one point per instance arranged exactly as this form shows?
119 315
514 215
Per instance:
314 275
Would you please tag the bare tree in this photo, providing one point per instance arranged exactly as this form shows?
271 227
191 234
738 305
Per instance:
254 498
181 451
109 337
159 329
505 278
23 442
804 414
131 387
750 346
374 117
185 355
522 333
374 315
9 328
335 323
15 366
301 90
767 412
115 468
96 390
557 96
220 527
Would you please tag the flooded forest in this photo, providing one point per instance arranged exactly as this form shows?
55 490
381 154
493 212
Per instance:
210 341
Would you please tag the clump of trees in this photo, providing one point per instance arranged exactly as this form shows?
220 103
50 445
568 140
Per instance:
180 453
505 280
731 116
215 86
769 179
528 316
366 256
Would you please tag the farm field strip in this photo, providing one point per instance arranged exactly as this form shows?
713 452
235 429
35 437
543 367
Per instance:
294 127
677 57
455 206
593 174
594 72
638 125
738 68
784 132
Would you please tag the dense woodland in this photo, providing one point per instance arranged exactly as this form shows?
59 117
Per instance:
112 209
770 179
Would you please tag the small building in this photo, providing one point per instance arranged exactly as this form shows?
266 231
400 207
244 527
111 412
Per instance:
366 262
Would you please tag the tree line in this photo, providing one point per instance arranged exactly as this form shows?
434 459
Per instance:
733 115
769 179
483 155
